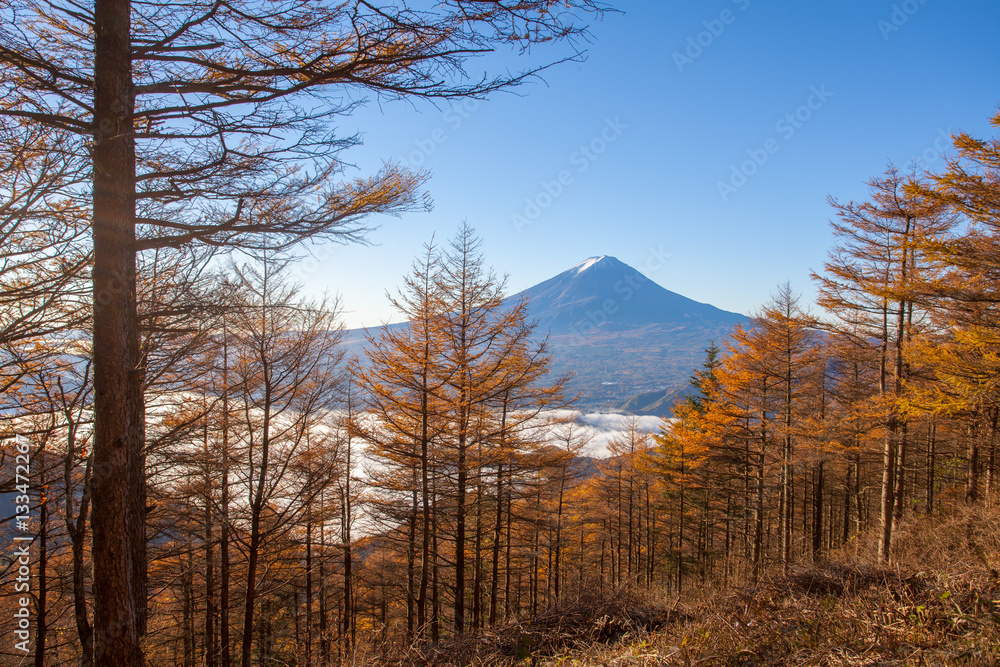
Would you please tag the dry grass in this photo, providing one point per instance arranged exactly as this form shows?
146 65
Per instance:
576 626
938 605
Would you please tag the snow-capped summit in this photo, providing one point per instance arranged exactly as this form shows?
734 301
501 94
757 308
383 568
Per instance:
587 263
603 293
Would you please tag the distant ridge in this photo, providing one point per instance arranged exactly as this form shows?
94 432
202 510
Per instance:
657 403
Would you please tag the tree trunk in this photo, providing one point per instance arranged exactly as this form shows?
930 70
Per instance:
888 496
497 534
972 478
224 647
309 594
324 626
210 647
188 611
817 523
477 577
758 533
118 516
680 534
931 445
348 620
425 492
76 528
507 548
900 495
462 475
411 561
253 549
558 545
435 590
41 598
786 471
991 458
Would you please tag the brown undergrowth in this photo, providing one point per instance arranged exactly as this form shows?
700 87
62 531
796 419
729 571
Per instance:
937 604
576 626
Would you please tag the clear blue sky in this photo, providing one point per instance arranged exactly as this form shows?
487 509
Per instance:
680 103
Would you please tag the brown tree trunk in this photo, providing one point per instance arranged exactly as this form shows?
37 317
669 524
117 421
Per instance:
508 547
972 478
888 494
78 532
758 535
188 611
118 516
477 576
411 561
425 493
900 494
462 478
324 626
931 464
558 544
435 573
210 645
253 548
817 523
224 648
309 595
497 534
348 620
991 458
41 598
786 469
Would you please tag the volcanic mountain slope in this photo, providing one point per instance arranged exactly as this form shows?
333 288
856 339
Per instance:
602 294
621 334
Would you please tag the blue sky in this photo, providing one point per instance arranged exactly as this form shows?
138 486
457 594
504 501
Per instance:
698 143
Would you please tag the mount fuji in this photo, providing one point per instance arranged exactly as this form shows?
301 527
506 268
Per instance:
628 342
605 294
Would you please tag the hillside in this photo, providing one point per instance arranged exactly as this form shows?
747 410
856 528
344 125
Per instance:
657 403
938 604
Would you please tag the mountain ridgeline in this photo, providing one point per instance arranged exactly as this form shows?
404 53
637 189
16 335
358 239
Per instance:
630 343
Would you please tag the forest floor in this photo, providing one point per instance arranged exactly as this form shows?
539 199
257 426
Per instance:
938 603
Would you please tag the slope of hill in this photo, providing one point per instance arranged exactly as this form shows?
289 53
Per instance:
657 403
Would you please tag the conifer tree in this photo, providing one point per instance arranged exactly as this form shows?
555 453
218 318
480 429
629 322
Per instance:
870 289
488 355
